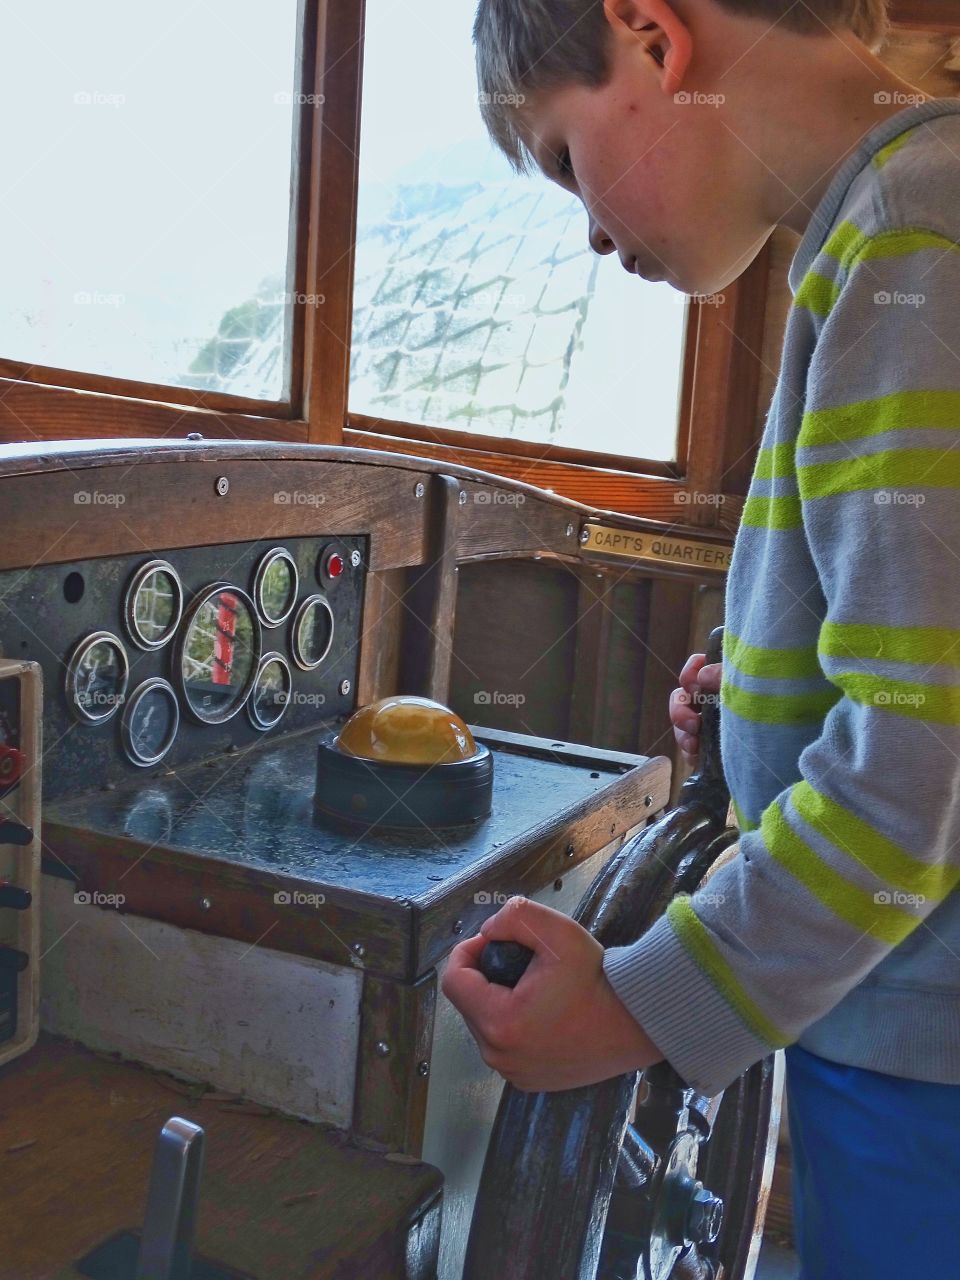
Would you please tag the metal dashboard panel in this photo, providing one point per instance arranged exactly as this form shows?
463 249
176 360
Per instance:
256 810
40 619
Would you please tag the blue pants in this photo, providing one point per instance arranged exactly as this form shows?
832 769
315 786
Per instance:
876 1172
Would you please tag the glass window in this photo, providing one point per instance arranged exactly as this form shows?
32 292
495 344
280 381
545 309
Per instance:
479 304
145 189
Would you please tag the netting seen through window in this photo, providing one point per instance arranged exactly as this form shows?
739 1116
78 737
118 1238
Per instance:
479 304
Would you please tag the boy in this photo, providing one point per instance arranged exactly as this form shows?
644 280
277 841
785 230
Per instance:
690 129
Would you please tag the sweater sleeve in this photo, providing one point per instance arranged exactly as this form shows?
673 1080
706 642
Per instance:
854 856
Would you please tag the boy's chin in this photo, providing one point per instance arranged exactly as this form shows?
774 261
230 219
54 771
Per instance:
699 286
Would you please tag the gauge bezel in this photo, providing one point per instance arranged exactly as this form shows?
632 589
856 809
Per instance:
255 720
294 634
130 599
201 598
126 736
70 680
269 558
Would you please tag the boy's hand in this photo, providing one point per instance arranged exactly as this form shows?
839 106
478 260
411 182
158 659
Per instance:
696 677
562 1025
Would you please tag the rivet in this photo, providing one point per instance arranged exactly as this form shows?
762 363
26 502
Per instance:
223 486
569 851
463 497
569 530
381 1048
423 1068
648 801
458 926
358 949
206 904
194 435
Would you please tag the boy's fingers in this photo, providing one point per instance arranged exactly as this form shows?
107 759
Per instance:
465 986
535 926
710 677
683 715
466 954
688 743
691 669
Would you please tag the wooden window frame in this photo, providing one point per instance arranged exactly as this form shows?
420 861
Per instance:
720 380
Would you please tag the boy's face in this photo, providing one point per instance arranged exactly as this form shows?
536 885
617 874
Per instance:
663 181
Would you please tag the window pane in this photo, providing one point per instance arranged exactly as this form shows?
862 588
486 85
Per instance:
145 189
479 304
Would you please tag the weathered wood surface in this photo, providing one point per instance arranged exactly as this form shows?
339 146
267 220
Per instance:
279 1198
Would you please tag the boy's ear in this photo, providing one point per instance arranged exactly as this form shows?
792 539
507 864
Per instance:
656 24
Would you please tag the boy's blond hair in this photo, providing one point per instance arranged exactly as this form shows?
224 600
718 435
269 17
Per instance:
526 46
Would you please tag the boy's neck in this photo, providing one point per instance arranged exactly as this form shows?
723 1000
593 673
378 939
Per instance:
819 112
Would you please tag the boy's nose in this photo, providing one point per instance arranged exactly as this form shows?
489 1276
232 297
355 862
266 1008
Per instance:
600 242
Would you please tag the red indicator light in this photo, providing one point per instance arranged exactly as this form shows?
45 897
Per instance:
335 565
11 766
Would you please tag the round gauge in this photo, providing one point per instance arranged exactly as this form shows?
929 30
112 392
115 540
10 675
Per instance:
150 722
271 691
218 652
312 632
97 677
153 604
275 586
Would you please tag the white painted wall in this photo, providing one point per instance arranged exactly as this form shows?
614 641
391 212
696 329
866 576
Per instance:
279 1029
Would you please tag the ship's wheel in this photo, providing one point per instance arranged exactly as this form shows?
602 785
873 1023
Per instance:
637 1177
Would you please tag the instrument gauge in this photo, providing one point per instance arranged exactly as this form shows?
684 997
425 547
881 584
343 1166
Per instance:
275 586
96 681
312 632
153 604
271 691
150 722
218 652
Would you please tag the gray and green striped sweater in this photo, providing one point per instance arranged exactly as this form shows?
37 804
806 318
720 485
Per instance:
838 925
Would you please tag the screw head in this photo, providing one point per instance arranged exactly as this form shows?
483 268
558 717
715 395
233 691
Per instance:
345 686
648 801
423 1068
206 904
194 435
381 1048
418 489
355 558
458 926
584 535
358 949
569 531
704 1216
223 486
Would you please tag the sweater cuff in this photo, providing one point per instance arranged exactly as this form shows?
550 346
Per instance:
681 1010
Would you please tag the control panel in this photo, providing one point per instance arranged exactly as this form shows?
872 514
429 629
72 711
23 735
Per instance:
162 659
20 764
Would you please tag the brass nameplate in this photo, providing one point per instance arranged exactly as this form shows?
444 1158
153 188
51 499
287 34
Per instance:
658 548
